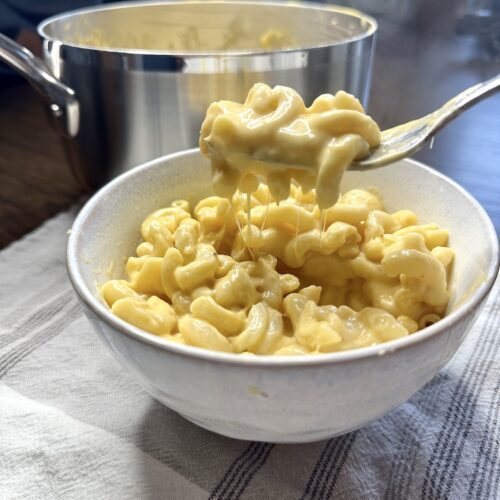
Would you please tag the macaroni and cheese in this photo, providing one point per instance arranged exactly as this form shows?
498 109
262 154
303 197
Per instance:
291 279
272 135
277 267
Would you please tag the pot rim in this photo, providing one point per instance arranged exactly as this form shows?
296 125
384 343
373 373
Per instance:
372 27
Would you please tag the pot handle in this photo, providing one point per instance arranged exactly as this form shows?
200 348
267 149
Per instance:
63 107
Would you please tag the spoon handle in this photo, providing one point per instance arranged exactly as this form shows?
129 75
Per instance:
405 140
463 101
474 94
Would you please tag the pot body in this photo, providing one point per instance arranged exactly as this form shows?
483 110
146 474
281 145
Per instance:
144 94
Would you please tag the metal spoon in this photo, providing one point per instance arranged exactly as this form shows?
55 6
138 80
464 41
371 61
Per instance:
405 140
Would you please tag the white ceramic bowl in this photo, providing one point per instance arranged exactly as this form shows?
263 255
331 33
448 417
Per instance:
279 399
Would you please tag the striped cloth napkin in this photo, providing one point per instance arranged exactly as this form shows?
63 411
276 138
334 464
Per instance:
74 424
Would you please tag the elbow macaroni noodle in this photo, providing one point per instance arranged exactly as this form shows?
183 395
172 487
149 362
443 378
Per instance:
279 268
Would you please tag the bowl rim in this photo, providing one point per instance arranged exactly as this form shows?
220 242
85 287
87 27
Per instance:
100 309
371 29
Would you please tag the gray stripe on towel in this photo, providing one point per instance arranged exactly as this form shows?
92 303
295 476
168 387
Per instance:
241 471
328 465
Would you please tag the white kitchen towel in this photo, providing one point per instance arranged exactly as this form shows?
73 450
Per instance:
74 424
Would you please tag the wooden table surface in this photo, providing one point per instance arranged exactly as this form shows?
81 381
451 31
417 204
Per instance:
415 71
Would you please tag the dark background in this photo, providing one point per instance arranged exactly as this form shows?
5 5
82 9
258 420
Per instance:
427 51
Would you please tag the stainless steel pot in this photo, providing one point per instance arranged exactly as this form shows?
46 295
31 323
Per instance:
129 82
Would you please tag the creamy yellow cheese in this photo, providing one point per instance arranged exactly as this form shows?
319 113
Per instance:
274 39
274 137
